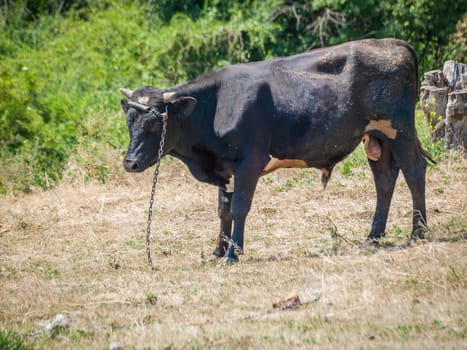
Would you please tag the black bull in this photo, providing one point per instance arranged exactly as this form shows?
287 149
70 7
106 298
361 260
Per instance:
308 110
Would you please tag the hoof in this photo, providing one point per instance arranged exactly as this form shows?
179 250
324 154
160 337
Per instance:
211 259
370 244
418 234
375 236
230 261
374 242
413 241
219 252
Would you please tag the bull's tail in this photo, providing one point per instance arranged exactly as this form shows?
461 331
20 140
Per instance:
424 152
415 60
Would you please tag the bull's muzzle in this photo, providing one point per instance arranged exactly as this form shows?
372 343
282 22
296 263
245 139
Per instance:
131 165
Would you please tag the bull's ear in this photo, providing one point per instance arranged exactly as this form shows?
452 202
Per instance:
182 106
124 103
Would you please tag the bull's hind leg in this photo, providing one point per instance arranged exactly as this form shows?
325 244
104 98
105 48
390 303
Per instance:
410 158
385 173
225 217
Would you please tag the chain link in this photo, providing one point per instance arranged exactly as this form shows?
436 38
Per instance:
236 247
153 189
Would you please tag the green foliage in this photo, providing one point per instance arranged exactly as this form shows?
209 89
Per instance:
54 82
288 184
426 24
346 168
355 160
436 149
151 298
456 49
32 10
166 9
12 341
62 62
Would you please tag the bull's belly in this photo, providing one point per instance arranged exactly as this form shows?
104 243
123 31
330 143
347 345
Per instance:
322 153
323 161
276 163
371 145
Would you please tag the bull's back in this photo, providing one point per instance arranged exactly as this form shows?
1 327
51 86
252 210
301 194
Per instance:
325 98
369 74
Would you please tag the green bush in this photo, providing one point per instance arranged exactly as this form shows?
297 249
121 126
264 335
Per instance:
52 84
62 62
61 71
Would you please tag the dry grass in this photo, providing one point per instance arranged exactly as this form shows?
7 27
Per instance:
79 250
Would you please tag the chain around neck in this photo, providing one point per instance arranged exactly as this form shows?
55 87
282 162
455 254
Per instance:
153 190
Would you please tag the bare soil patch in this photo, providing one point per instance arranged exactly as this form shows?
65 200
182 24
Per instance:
79 250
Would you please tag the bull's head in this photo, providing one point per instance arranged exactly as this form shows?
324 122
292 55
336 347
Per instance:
146 109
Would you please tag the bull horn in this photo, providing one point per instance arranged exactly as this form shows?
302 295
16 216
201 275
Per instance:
168 96
126 92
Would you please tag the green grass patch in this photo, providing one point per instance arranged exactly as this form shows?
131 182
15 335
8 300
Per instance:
10 340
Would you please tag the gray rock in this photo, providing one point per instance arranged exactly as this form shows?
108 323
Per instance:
58 323
115 346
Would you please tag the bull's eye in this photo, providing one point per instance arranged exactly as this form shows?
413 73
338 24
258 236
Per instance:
151 124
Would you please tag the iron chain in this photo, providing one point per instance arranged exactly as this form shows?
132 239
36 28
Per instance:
153 189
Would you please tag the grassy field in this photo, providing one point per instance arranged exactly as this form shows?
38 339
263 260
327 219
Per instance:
79 250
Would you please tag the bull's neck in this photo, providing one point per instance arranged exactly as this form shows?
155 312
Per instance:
198 127
203 90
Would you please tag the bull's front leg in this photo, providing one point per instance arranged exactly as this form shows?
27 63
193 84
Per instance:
246 178
225 217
